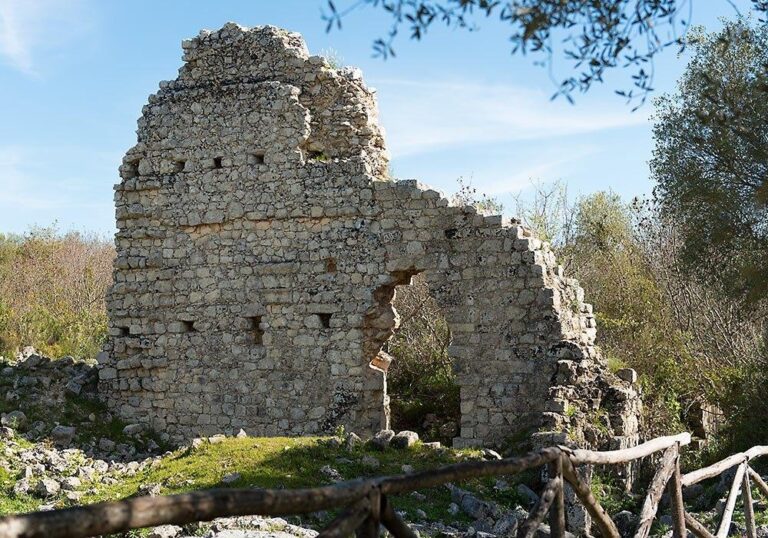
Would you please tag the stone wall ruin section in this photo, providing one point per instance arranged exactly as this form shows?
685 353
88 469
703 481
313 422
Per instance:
259 244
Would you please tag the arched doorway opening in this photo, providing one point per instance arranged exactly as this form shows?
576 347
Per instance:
421 383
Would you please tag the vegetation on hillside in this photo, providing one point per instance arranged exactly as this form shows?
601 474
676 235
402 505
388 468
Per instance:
52 289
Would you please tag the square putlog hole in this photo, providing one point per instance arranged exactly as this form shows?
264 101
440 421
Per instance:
218 162
256 158
325 320
256 330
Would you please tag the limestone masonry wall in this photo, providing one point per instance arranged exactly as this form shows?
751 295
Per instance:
259 245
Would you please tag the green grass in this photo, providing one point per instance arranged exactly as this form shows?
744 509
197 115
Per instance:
291 463
279 463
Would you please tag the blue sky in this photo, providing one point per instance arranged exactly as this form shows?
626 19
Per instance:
74 75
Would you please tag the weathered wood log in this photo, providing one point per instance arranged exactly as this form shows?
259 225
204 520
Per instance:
749 511
723 465
557 512
584 493
758 480
655 491
678 507
393 522
580 457
697 528
463 471
348 520
730 503
369 528
108 518
531 524
113 517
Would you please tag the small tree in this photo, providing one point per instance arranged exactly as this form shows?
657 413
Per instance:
711 159
468 195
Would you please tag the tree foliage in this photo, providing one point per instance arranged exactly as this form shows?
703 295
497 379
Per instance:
690 344
711 158
594 37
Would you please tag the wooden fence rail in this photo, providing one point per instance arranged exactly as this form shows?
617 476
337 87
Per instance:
366 505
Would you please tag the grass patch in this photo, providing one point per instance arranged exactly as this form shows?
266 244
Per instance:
280 463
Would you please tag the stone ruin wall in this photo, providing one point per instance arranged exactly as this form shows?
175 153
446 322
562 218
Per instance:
259 246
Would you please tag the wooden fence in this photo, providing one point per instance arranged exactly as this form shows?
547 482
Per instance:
366 502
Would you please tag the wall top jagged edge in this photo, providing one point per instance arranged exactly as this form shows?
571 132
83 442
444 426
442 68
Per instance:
342 110
238 57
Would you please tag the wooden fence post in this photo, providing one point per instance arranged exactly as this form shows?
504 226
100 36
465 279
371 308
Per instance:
678 507
749 511
651 504
584 493
730 503
369 528
557 511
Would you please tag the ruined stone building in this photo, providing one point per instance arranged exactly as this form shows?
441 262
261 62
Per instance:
260 243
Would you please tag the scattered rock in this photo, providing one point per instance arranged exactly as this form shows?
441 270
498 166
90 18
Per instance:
331 473
473 506
230 478
421 514
627 374
63 435
21 487
165 531
506 526
626 522
433 445
70 483
106 445
132 430
370 461
382 439
15 419
73 496
489 454
407 469
151 490
404 439
352 441
501 485
73 387
528 494
453 509
216 439
241 434
47 487
418 496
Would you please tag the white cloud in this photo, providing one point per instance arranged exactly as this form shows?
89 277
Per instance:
427 116
29 28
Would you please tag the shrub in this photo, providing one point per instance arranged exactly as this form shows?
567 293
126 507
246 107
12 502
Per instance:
422 385
52 292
